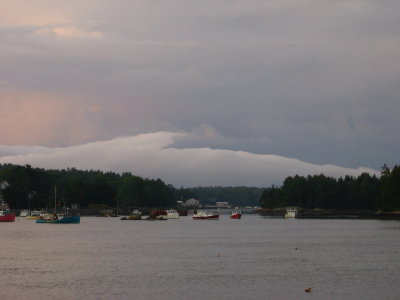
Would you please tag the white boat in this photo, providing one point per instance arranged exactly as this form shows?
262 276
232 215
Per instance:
135 215
291 213
24 213
136 212
205 215
172 214
45 215
34 215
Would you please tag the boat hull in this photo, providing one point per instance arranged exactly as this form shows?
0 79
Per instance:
173 216
212 217
8 218
65 220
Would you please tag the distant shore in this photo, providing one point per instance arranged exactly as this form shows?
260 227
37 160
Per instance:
334 214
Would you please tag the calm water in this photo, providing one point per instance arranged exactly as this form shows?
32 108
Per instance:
252 258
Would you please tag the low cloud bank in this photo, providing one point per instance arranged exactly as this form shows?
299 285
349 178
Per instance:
153 155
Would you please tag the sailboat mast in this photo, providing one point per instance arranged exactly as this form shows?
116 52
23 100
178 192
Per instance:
55 199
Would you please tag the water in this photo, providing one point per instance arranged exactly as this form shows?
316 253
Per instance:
252 258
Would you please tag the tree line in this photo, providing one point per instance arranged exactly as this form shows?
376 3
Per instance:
320 191
37 188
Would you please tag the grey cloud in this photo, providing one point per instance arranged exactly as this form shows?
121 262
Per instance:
14 151
313 80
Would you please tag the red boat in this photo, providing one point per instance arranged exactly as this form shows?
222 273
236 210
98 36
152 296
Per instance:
182 212
205 215
236 214
7 216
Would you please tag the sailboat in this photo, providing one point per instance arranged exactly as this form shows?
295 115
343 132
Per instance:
59 218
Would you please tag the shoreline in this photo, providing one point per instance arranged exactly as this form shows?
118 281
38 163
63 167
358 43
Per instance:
333 214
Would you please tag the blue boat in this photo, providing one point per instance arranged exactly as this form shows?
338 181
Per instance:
61 219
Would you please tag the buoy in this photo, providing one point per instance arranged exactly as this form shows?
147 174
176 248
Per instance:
218 254
308 290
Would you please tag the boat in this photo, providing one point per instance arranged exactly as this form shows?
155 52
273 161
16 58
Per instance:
172 214
24 213
7 216
182 212
60 219
135 215
156 218
136 212
205 215
236 214
44 215
158 212
291 213
34 215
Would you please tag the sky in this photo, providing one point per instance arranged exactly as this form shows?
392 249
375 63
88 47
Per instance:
201 93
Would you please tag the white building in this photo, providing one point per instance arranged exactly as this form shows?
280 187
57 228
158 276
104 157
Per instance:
222 204
192 202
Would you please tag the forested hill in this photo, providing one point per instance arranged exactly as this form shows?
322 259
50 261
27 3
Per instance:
362 192
35 188
29 187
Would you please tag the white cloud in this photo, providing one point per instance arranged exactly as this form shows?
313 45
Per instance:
152 155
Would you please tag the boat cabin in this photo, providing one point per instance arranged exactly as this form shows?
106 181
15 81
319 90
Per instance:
291 212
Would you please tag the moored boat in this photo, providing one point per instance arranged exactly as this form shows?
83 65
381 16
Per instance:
135 215
236 214
158 212
34 215
205 215
182 212
172 214
44 215
60 219
291 213
156 218
7 216
24 213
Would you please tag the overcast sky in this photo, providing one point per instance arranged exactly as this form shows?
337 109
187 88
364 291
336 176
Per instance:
201 92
